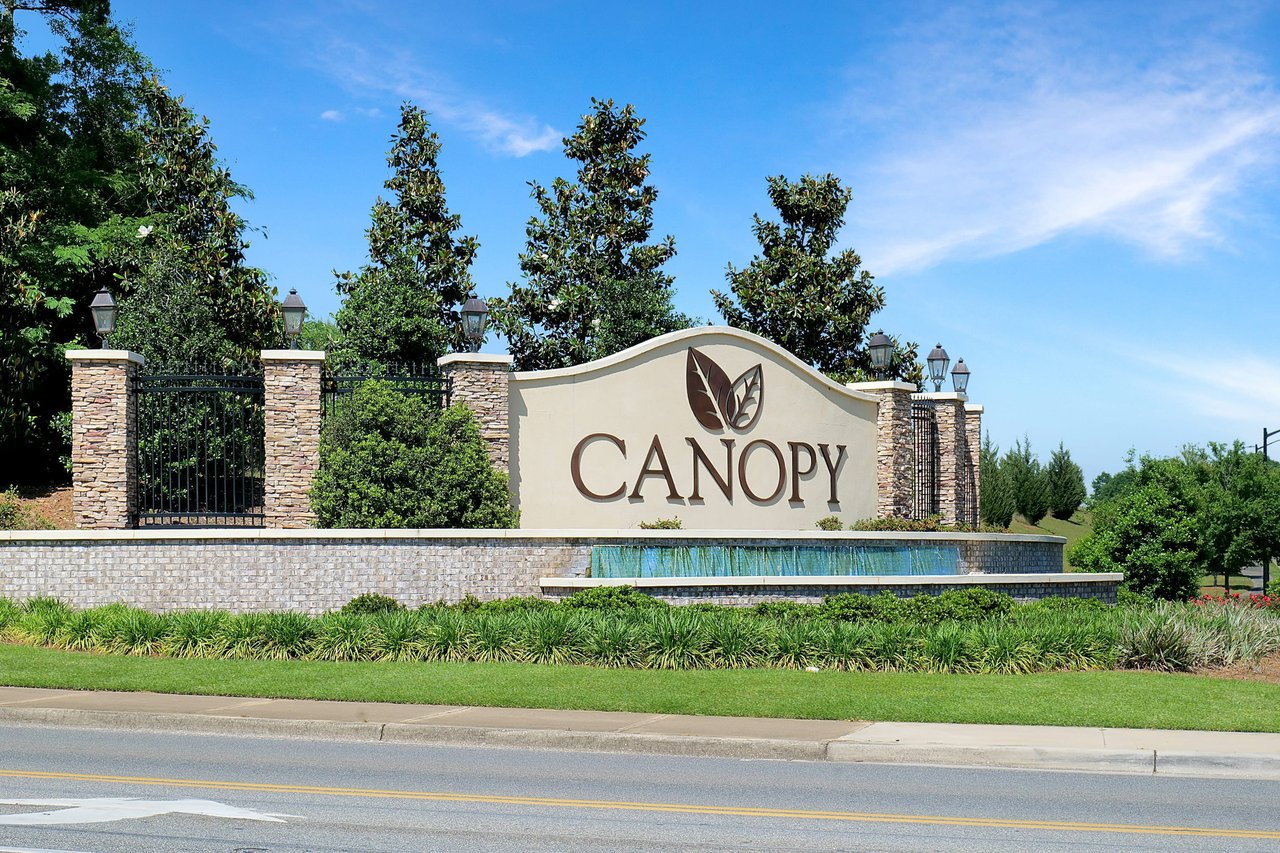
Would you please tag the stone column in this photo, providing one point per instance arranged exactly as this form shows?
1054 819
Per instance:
479 380
973 432
104 446
291 391
895 447
953 453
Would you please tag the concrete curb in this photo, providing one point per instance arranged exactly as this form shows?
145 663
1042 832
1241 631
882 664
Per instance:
1134 761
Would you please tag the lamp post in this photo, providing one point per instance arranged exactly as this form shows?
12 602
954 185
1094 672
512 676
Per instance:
294 313
103 308
960 377
881 349
475 314
938 361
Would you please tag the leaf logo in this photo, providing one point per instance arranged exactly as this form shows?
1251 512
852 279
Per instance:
715 401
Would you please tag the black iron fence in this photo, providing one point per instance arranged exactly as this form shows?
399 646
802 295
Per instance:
417 379
199 434
924 429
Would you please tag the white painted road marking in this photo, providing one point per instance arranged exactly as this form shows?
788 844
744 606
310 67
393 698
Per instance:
104 809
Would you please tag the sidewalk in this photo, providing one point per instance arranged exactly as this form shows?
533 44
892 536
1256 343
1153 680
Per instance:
1223 754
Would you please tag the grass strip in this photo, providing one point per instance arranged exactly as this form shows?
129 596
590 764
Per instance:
1115 699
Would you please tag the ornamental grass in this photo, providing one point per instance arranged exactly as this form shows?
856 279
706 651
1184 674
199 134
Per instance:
1041 637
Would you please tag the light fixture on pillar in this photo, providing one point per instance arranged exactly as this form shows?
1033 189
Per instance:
938 361
294 313
104 314
475 314
960 377
881 348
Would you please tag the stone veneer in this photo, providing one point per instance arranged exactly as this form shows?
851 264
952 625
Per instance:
104 448
895 448
319 570
291 397
480 380
973 435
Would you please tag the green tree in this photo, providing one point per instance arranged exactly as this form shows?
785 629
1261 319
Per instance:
392 460
1066 484
1028 481
1151 532
795 294
996 502
188 292
68 172
403 306
592 285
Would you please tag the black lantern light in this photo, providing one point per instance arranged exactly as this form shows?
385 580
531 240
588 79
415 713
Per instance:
294 313
938 361
881 348
960 377
475 313
104 314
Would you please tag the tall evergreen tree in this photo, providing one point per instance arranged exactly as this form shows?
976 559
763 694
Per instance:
795 293
189 292
1027 477
403 306
1066 484
592 285
996 502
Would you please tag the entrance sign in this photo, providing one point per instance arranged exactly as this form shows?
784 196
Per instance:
663 430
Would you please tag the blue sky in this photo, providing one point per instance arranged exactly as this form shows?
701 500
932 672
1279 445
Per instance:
1080 199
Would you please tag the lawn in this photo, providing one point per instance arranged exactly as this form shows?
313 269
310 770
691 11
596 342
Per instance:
1073 529
1121 699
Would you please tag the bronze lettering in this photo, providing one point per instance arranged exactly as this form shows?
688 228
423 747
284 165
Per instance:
575 467
726 482
663 470
796 473
782 470
833 468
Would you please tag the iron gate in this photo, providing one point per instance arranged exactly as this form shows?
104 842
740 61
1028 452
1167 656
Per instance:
924 428
419 380
199 436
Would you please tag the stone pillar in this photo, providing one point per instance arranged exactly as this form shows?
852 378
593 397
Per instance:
973 432
104 446
895 447
479 380
953 453
291 392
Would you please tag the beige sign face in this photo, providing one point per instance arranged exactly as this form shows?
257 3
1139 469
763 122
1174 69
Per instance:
715 426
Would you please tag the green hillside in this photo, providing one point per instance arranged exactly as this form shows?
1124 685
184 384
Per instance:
1079 525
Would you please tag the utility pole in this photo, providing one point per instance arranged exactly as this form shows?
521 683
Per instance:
1267 435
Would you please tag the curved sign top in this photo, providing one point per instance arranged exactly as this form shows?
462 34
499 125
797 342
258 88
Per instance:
683 426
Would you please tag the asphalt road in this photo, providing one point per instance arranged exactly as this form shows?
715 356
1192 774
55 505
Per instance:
100 791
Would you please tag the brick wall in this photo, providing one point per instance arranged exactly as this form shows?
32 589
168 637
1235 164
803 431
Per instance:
104 490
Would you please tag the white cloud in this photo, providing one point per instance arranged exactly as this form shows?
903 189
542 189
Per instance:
1003 134
332 115
398 73
1237 387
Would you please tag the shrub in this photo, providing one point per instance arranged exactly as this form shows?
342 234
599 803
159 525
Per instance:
662 524
1027 477
784 610
996 503
612 598
1066 484
389 459
372 602
15 516
831 522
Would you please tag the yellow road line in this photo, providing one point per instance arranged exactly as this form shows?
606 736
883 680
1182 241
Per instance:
678 808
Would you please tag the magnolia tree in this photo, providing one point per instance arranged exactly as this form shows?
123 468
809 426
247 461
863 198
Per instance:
799 294
403 306
593 283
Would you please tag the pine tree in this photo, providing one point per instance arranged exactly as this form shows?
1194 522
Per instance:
592 285
816 306
1030 486
996 504
403 306
1066 484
